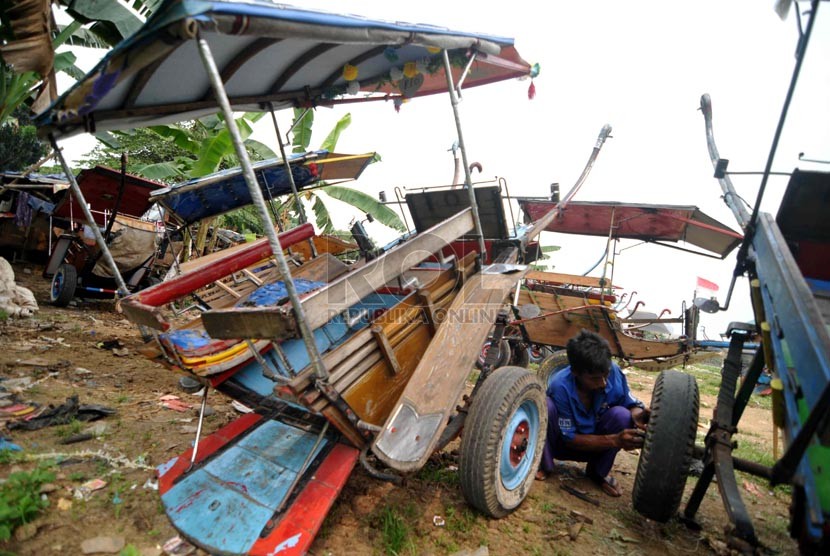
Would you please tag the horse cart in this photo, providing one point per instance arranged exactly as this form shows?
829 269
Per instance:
341 363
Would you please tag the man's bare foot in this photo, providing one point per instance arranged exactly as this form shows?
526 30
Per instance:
609 486
541 475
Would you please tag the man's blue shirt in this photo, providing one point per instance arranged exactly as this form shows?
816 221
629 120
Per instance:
574 417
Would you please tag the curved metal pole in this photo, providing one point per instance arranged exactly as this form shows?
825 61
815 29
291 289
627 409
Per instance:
543 222
259 202
99 239
468 179
730 197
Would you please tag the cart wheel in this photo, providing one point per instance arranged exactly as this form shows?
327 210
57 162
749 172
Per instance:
537 353
520 356
502 441
667 452
63 285
551 365
504 354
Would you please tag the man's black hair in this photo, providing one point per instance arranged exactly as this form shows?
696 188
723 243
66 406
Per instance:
588 352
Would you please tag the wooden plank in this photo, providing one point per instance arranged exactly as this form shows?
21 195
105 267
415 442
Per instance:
418 418
386 349
322 305
560 278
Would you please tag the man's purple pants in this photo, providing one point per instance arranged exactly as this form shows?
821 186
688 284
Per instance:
614 420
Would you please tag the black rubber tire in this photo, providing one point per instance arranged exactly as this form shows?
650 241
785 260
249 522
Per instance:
63 286
543 351
508 398
551 365
669 444
520 357
504 355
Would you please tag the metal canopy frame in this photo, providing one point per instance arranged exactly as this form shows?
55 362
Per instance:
88 105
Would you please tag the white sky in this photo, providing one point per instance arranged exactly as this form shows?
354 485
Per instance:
640 67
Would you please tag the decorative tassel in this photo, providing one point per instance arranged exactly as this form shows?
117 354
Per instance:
531 91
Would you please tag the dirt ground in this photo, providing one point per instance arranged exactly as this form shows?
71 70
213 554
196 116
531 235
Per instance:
89 351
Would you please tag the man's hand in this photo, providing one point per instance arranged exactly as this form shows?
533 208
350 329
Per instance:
630 439
641 415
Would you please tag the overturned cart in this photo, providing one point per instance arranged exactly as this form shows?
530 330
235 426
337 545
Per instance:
340 363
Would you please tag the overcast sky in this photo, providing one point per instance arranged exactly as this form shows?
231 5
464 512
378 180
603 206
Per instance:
640 67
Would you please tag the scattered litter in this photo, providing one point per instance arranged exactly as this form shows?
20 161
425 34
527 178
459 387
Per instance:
175 403
615 535
151 484
16 410
6 445
54 341
452 468
107 545
582 517
17 384
573 530
121 352
189 385
63 414
35 362
581 494
114 343
64 504
241 408
752 488
438 521
84 492
178 547
82 371
75 438
116 499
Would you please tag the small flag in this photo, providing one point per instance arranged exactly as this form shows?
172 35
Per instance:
706 284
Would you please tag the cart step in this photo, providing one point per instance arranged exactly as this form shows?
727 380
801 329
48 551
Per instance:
247 492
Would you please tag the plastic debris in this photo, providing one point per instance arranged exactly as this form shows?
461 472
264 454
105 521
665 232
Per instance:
438 521
84 492
178 547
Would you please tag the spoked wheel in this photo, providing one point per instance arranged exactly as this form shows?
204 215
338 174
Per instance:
669 444
63 287
504 354
502 441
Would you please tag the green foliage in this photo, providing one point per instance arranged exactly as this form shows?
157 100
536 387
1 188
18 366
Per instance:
20 499
130 550
302 130
367 204
73 427
15 89
330 142
395 532
3 315
19 147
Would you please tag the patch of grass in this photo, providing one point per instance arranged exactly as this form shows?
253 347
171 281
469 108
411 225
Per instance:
73 427
20 500
394 530
4 316
457 521
123 398
77 476
708 379
435 472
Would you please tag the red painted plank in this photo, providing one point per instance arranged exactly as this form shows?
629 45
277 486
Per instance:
187 283
299 524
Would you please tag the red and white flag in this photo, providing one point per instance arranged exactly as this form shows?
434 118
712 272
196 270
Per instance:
705 284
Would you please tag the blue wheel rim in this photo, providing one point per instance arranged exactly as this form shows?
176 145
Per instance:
516 460
57 284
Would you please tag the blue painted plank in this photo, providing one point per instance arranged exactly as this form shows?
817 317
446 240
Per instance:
225 504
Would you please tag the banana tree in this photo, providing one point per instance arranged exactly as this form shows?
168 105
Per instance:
303 121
